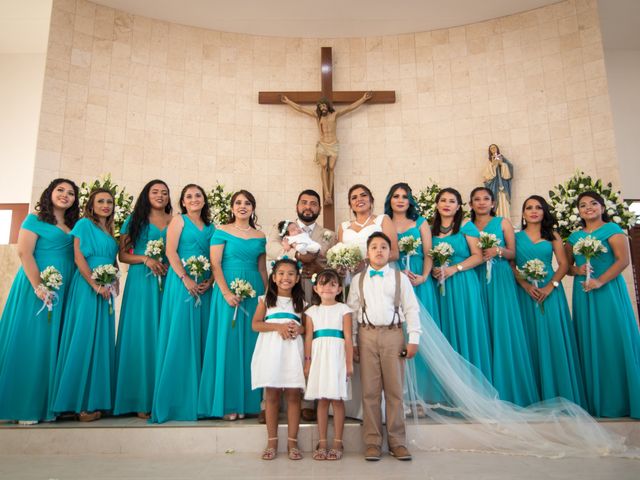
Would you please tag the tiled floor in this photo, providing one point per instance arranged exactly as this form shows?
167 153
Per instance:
427 466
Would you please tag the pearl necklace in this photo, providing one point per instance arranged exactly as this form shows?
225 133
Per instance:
361 225
242 229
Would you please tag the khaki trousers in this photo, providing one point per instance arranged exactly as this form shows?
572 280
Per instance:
382 368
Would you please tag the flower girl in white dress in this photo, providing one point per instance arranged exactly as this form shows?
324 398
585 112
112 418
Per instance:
328 362
276 364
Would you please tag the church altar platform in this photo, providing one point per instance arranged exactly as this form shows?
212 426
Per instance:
133 436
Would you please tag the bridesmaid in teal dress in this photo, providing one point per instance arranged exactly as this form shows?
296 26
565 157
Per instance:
463 315
85 373
606 327
185 312
548 328
512 370
401 207
141 301
237 252
28 338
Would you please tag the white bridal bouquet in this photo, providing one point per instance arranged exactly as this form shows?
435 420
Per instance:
51 281
155 249
220 204
409 246
533 271
426 200
485 242
342 256
441 255
195 267
106 276
589 247
122 207
243 289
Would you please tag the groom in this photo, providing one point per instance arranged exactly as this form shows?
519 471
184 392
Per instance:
308 209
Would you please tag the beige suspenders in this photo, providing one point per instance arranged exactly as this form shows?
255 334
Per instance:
396 302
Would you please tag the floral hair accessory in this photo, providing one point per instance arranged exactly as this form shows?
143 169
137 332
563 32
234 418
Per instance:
286 257
314 278
286 224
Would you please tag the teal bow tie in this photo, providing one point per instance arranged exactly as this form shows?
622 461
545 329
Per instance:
373 273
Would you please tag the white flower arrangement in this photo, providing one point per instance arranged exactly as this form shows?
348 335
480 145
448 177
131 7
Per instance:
564 203
409 246
485 242
533 271
242 289
106 276
155 249
327 235
219 204
196 266
123 202
426 200
51 280
441 255
589 247
342 256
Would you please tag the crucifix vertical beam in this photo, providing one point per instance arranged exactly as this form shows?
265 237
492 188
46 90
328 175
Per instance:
326 73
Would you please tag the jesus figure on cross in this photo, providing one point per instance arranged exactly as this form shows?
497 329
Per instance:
327 146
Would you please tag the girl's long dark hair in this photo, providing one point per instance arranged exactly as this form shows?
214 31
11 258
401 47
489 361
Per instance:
140 216
492 212
44 206
598 198
297 294
412 211
324 277
204 213
548 224
253 219
90 213
457 218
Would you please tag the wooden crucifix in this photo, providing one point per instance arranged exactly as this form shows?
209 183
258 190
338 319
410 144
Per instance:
326 116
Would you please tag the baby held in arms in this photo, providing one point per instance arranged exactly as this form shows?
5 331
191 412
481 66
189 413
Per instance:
297 238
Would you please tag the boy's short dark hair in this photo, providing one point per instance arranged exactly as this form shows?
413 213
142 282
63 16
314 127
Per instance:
378 235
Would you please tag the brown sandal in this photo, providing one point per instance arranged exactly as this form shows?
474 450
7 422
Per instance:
89 416
320 453
335 453
270 453
294 452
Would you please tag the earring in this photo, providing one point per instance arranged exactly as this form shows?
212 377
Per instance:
524 222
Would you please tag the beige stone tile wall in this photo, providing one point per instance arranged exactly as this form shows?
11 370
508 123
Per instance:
142 98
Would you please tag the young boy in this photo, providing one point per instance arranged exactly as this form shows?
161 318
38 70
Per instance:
382 299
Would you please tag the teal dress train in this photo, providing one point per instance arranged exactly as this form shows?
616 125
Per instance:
607 334
549 330
179 349
138 330
426 294
513 375
28 339
226 374
85 372
463 316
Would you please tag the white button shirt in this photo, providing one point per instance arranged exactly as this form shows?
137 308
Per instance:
306 228
379 293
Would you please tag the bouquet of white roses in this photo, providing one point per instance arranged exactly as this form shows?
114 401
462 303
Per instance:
485 242
426 200
342 256
441 255
589 247
106 276
51 281
409 246
220 204
155 249
195 267
564 203
533 271
242 289
123 202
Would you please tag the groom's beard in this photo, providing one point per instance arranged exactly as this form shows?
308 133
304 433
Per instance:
308 216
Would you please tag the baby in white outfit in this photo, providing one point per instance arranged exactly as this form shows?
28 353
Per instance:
297 238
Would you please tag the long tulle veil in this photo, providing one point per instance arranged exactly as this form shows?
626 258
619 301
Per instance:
458 394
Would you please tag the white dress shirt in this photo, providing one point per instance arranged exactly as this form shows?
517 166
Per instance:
306 228
379 293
